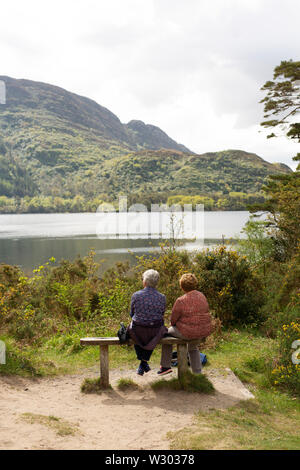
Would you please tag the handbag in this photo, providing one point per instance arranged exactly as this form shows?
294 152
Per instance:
122 333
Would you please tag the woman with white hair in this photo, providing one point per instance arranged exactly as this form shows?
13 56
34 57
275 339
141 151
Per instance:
147 312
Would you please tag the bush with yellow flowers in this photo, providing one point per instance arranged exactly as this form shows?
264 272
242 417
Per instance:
287 371
54 299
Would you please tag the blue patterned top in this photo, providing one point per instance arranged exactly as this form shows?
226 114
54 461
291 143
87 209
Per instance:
148 306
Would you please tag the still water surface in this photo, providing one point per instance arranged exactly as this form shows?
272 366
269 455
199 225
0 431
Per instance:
28 240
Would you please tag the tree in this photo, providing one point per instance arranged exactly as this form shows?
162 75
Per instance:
282 101
257 246
284 208
283 191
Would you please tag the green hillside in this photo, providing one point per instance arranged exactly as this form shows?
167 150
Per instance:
172 171
63 152
14 177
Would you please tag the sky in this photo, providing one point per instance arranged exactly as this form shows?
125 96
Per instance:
194 68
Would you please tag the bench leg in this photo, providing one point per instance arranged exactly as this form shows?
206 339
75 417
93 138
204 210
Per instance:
104 368
182 360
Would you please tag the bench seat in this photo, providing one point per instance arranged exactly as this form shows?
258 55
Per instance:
105 342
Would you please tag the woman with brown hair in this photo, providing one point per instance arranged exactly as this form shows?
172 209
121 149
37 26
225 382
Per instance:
190 320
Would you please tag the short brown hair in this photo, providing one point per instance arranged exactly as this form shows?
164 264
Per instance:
188 282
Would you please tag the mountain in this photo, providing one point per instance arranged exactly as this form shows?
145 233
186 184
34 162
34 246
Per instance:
56 144
49 103
152 137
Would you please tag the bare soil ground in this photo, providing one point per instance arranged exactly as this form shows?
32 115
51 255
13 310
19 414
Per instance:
114 419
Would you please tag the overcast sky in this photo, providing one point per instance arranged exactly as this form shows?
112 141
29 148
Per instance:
194 68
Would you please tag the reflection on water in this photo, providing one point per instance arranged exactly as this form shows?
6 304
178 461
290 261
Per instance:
31 252
28 240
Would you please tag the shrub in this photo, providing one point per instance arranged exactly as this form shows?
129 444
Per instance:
258 246
69 299
69 343
171 264
54 299
114 303
287 373
283 304
233 290
18 361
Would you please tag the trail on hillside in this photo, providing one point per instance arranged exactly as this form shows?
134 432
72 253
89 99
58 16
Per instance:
133 419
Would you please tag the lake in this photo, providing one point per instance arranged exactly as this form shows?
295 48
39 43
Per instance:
28 240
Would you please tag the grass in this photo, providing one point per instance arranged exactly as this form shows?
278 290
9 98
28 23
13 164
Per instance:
247 353
270 421
93 386
265 423
49 360
19 361
61 427
125 384
190 383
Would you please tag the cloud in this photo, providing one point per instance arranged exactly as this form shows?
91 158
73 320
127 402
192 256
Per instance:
193 68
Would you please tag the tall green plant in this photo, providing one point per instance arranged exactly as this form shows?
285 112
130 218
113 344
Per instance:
258 246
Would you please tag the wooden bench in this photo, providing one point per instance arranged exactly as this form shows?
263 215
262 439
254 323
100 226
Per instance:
104 343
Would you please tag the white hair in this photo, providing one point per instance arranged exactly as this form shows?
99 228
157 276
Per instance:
151 278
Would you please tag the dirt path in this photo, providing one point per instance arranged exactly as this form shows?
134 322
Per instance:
136 419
